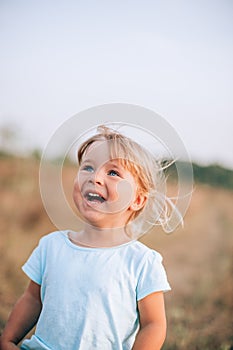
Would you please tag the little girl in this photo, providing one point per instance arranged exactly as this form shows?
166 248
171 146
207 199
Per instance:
98 288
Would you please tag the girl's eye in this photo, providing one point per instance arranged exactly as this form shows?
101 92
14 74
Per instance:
88 168
113 173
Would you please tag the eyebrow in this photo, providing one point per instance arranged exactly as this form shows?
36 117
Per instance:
111 162
87 161
118 166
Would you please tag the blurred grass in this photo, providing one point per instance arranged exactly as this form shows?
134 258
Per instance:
198 258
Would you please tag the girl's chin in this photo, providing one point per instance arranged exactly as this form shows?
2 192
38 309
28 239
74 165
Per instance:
103 222
94 215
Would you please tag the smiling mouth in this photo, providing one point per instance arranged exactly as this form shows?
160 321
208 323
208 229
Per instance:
94 197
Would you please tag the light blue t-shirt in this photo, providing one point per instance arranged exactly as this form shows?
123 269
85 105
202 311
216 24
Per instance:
90 295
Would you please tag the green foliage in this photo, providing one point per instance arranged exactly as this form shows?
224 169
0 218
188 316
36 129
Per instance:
213 175
36 154
5 155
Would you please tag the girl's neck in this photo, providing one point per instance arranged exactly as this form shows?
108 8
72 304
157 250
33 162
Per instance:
95 237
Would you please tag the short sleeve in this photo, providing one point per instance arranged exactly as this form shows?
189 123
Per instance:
33 267
153 277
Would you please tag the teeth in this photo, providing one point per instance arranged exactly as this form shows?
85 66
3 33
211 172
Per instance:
93 196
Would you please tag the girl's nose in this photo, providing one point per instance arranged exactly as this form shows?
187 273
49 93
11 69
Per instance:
97 178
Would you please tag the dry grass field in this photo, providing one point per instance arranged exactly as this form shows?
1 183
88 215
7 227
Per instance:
198 258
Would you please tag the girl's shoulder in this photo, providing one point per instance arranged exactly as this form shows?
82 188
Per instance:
54 238
141 247
144 253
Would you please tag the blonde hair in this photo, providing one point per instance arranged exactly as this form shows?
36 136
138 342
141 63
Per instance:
148 173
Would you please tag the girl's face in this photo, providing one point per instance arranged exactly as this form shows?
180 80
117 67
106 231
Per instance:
105 193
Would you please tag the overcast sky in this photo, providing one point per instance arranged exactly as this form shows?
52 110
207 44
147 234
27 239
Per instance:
174 57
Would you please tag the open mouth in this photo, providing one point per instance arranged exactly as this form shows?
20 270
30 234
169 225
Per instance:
94 197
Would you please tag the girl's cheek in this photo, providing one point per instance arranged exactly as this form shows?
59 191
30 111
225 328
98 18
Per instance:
121 198
78 179
76 187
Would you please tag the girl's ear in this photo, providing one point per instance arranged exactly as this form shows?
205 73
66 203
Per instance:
139 202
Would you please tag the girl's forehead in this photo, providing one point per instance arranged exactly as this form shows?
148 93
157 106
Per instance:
97 148
98 151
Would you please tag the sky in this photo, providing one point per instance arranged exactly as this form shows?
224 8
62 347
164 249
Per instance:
172 56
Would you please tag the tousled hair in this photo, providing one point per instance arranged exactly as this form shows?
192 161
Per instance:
149 175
